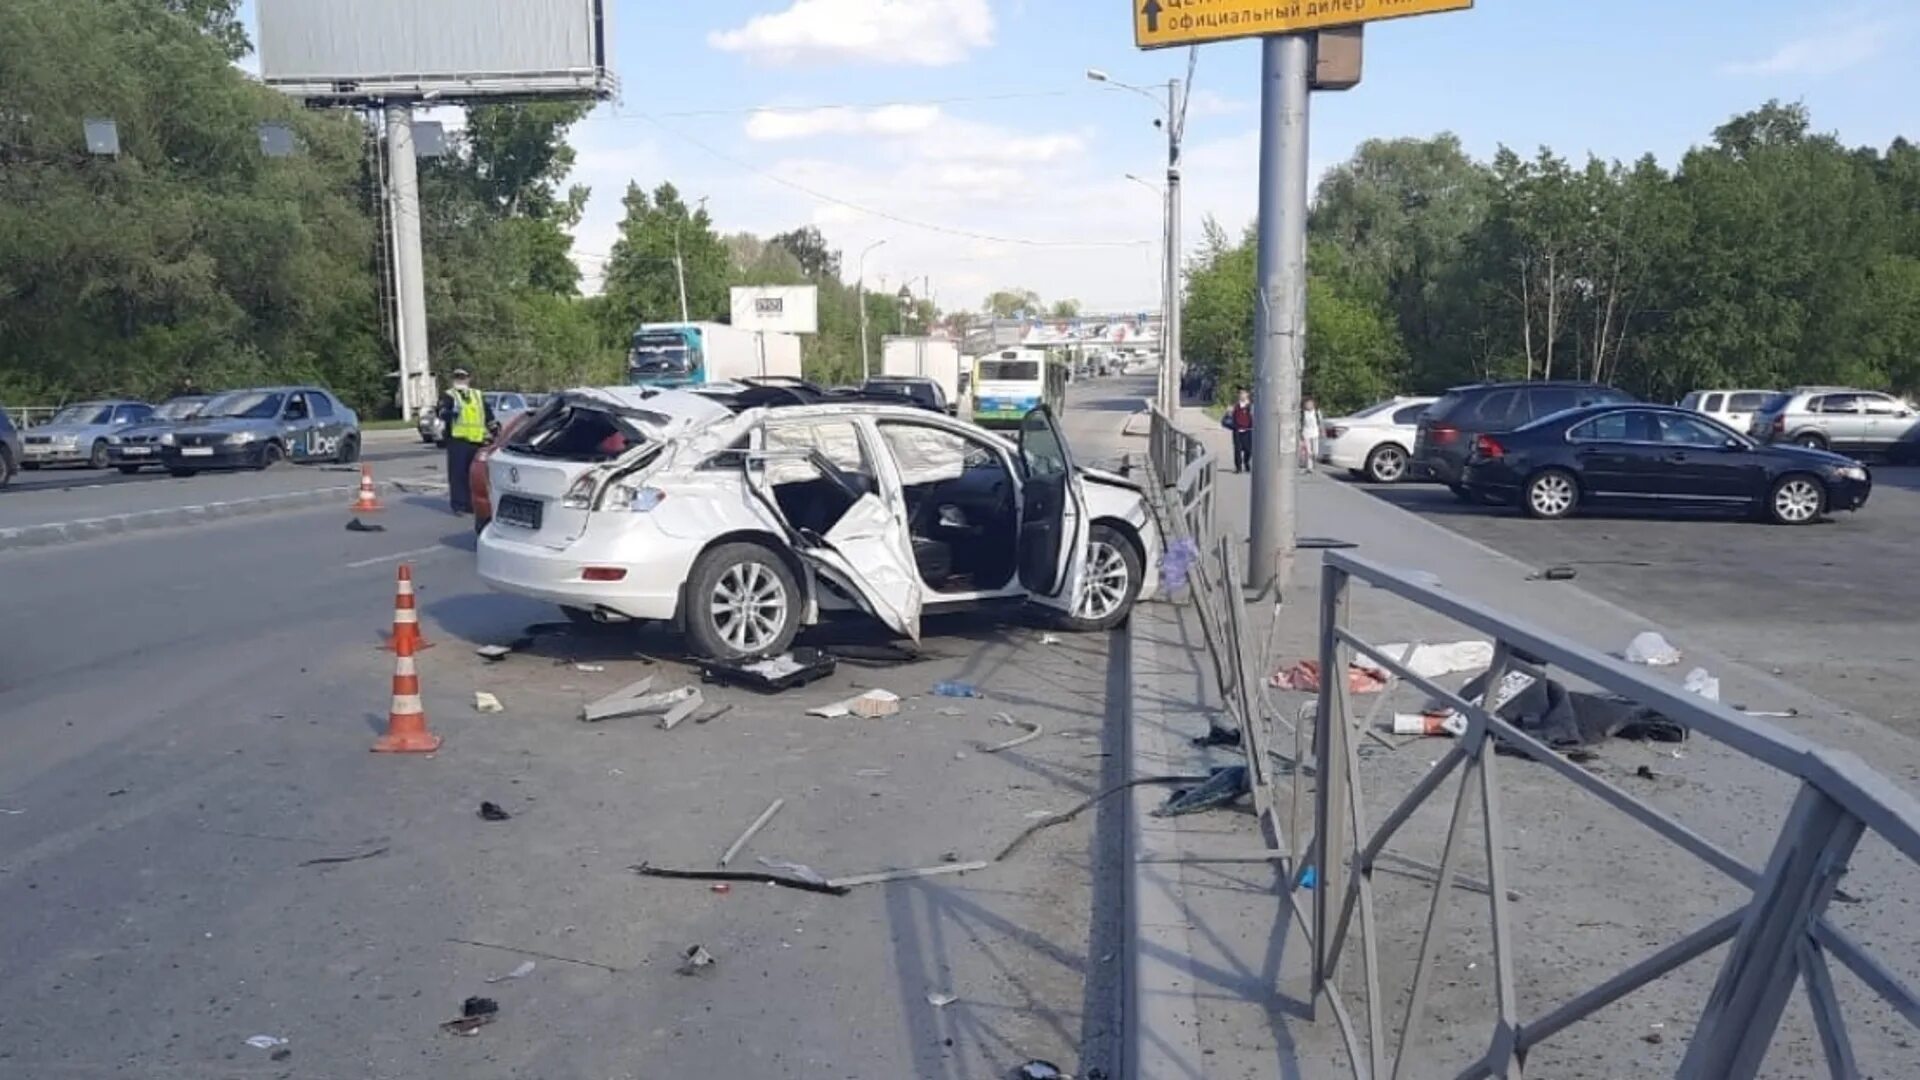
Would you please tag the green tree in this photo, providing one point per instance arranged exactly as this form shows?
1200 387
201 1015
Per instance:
642 284
1065 309
219 20
809 247
1010 303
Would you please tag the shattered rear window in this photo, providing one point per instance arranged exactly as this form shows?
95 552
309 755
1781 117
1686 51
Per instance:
578 432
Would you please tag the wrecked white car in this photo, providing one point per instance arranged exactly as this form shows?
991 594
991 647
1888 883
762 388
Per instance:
743 523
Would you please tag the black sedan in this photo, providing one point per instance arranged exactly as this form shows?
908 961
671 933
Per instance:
1651 455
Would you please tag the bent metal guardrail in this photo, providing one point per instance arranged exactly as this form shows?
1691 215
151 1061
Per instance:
1183 463
1780 936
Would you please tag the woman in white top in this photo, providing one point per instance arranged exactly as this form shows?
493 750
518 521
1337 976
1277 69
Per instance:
1309 434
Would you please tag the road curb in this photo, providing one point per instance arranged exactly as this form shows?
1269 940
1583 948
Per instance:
63 532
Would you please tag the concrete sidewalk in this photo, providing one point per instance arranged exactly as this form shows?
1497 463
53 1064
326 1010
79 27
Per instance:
1219 981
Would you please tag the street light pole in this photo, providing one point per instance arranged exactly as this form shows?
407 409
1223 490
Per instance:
860 291
1175 125
680 263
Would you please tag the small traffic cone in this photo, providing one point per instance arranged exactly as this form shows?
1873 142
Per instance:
368 502
406 620
407 721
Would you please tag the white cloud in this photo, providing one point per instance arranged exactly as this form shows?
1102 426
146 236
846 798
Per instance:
771 125
1820 54
925 33
1213 103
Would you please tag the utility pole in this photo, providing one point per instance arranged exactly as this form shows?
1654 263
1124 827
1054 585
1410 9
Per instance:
409 269
860 293
1170 323
1280 312
680 271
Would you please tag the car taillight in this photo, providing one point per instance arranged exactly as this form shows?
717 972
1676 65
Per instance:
1780 424
1334 431
1443 434
1486 446
580 495
604 573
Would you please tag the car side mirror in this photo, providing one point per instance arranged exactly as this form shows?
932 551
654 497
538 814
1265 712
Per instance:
1733 444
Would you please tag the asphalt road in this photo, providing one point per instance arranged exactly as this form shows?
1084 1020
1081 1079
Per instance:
1831 606
187 714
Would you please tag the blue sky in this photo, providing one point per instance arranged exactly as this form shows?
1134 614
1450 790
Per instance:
997 133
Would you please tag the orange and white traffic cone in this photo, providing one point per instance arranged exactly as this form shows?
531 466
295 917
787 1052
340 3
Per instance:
368 502
406 619
407 720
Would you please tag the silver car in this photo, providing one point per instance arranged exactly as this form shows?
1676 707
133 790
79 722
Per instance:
10 447
1841 419
502 403
78 434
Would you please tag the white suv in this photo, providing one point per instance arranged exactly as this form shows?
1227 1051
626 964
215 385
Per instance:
742 524
1734 408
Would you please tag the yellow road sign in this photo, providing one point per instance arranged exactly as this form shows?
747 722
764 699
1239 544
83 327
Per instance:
1159 23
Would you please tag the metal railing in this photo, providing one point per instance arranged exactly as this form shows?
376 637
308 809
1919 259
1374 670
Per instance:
1184 464
1780 935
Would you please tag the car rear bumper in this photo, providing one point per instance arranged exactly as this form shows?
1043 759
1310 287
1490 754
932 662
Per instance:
655 566
1439 467
1347 451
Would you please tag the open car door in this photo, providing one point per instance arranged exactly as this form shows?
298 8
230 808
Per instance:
867 553
1053 514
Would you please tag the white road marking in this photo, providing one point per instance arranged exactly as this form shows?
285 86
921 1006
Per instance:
397 556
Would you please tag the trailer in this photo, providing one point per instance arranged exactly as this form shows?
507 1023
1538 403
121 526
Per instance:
933 358
698 353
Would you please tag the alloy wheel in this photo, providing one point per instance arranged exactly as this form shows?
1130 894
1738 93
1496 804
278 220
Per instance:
748 606
1797 501
1389 465
1103 589
1551 495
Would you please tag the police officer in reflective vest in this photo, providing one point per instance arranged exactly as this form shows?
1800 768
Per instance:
467 419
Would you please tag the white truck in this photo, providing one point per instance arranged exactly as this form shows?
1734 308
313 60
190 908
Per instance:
698 353
934 358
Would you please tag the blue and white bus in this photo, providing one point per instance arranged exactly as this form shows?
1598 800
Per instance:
1009 383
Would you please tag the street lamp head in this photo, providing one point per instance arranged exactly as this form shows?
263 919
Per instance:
1096 75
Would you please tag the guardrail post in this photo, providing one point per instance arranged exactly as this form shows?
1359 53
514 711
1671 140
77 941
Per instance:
1738 1023
1332 827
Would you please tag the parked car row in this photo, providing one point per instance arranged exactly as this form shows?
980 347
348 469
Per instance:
256 428
1552 447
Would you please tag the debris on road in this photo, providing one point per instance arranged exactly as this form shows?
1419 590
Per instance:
1049 639
1771 714
1040 1070
1432 660
475 1013
1034 731
773 674
484 702
1065 816
520 972
494 653
1225 785
1177 563
1430 724
1554 573
1645 772
698 959
607 706
718 712
758 824
940 1000
956 689
265 1042
590 669
1545 709
873 704
1700 682
1305 675
673 706
885 876
1650 648
884 654
535 952
720 887
356 525
492 811
648 870
798 870
334 860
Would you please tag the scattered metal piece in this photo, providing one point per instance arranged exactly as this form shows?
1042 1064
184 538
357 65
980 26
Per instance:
1068 815
475 1013
494 653
534 952
615 704
758 824
331 860
940 1000
827 887
484 702
1034 731
520 972
1554 573
698 959
492 811
906 875
717 713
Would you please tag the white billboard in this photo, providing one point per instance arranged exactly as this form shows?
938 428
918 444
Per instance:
444 50
782 309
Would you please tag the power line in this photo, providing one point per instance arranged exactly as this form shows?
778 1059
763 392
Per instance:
616 113
886 215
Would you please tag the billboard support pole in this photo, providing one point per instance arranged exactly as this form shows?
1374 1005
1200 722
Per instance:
1280 312
409 271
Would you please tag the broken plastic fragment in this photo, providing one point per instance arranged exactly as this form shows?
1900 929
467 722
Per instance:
954 688
940 1000
1702 683
698 959
486 703
1648 647
265 1042
494 652
1040 1070
793 869
520 972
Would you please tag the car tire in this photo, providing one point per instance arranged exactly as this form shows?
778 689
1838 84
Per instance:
183 473
349 451
1106 599
129 470
1796 499
742 602
97 457
1460 492
6 467
30 466
1387 464
1810 440
1550 494
270 455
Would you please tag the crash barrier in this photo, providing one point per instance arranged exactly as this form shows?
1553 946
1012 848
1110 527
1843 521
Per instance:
1184 464
1779 934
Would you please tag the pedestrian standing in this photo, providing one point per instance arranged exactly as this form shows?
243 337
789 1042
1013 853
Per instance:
1309 433
1239 420
466 418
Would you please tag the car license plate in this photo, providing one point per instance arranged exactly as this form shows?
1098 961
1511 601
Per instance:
518 511
196 451
136 451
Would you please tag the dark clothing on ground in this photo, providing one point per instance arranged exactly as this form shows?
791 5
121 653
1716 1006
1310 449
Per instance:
460 452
